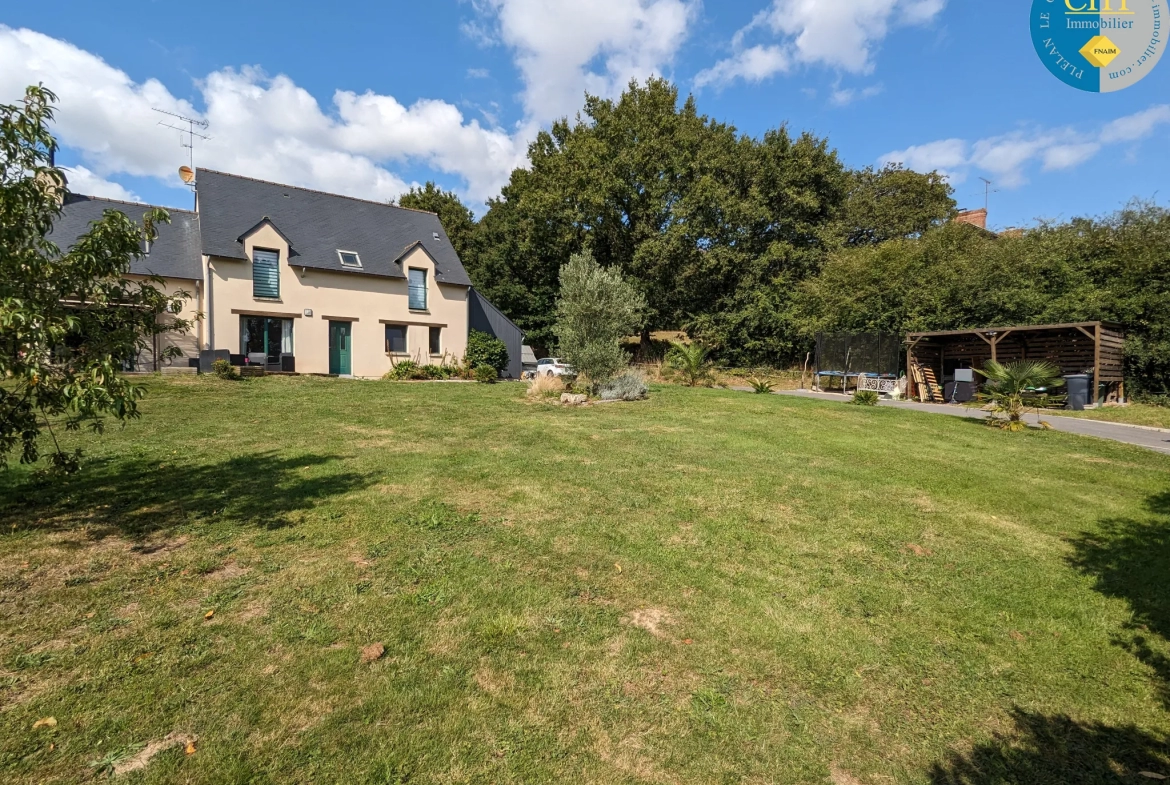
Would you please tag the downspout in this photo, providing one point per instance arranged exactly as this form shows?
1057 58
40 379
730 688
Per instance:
199 310
210 306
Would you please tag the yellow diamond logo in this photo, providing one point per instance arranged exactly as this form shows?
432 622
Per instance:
1100 51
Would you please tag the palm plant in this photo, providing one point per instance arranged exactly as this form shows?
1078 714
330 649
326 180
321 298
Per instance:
761 386
1015 389
689 360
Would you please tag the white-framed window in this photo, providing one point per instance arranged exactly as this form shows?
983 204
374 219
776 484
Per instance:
436 340
349 258
418 289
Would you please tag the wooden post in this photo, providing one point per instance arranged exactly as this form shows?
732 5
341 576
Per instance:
911 384
989 341
1097 364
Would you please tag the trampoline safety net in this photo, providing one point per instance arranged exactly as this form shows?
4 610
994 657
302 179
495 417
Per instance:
866 353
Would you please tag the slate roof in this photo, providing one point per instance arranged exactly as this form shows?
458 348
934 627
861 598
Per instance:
318 224
175 254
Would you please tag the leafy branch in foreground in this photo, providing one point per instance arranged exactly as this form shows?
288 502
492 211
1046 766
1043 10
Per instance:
68 320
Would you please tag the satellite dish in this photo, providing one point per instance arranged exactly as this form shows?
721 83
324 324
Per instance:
187 174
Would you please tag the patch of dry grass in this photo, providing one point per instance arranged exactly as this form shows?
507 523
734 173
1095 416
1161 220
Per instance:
544 386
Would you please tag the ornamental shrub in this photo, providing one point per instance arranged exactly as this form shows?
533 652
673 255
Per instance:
865 398
409 370
402 370
628 386
596 308
224 369
546 386
486 374
484 349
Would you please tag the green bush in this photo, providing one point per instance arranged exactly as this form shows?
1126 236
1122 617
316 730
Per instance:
409 370
690 362
761 386
224 369
628 386
484 349
865 398
1152 400
486 374
402 370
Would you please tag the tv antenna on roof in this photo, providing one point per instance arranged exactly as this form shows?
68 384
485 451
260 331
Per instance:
987 192
190 131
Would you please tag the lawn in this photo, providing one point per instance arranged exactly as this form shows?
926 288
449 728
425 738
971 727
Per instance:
707 587
1133 414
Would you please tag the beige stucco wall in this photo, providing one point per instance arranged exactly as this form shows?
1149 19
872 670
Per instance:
187 341
362 299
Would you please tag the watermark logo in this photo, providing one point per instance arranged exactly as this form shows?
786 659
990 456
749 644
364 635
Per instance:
1101 46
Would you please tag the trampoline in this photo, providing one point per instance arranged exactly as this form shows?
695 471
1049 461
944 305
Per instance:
869 360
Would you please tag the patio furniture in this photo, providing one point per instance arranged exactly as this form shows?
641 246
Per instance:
885 385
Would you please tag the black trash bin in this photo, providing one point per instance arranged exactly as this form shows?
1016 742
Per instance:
1077 385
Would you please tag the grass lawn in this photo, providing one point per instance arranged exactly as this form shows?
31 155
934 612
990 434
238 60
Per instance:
1133 414
708 587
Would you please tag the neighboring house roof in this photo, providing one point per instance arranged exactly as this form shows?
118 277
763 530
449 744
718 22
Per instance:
174 254
318 225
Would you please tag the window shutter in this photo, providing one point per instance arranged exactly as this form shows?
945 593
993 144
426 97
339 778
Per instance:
265 274
418 290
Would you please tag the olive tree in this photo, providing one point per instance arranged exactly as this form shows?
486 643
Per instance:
68 318
596 308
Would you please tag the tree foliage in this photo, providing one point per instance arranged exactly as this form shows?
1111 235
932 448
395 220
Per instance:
458 221
713 227
68 319
1115 268
595 309
753 244
894 203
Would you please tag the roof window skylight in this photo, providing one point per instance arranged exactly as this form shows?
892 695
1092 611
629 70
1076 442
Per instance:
349 259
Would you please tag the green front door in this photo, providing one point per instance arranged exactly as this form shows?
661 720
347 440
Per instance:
340 348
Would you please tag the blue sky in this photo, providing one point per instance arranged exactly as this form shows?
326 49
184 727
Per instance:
368 98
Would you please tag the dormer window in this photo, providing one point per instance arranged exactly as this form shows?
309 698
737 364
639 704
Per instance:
349 259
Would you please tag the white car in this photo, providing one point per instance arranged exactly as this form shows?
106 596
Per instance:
553 366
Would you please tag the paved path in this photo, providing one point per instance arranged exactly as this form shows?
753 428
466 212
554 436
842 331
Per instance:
1150 438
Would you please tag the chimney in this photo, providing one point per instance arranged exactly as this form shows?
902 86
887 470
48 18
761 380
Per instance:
973 217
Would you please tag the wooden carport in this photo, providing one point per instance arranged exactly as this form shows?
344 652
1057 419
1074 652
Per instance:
1078 347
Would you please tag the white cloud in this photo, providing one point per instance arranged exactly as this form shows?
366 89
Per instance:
1006 158
846 96
1069 156
260 126
946 156
478 73
565 48
754 64
840 34
83 181
1136 126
